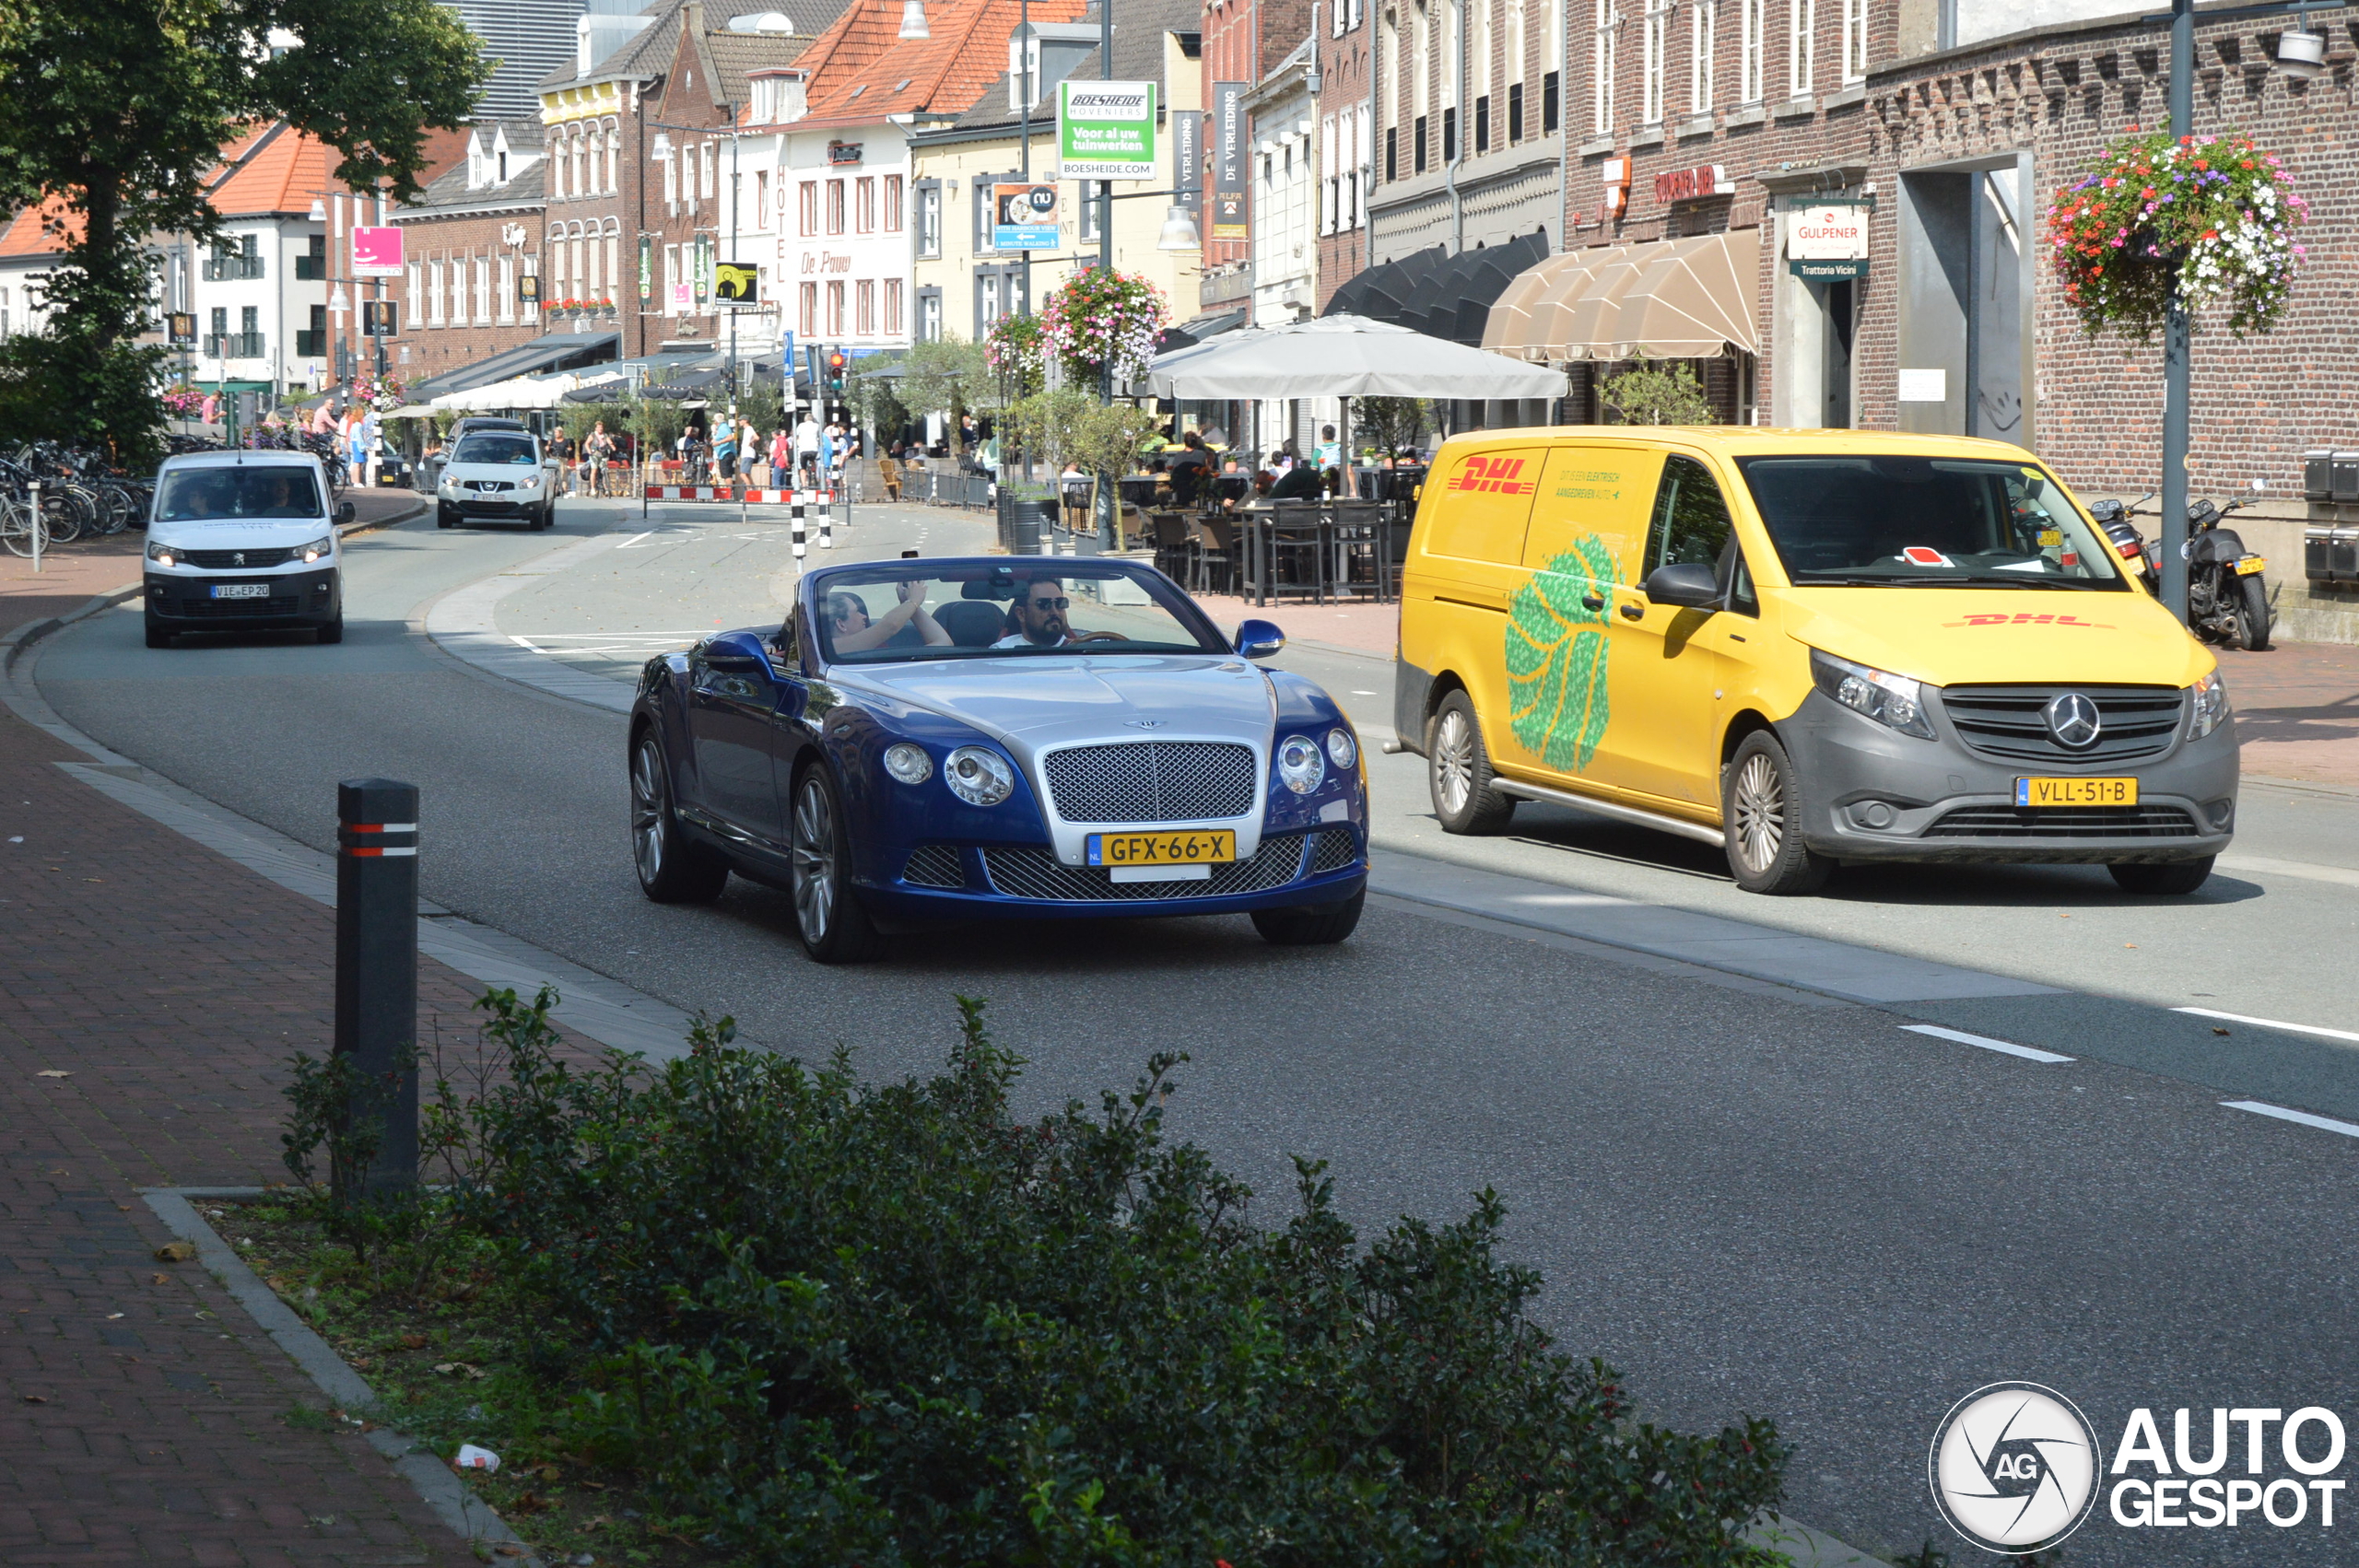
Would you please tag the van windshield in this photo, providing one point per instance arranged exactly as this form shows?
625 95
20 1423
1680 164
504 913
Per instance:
1916 520
247 490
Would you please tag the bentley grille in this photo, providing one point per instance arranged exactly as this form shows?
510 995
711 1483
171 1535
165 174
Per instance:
1153 781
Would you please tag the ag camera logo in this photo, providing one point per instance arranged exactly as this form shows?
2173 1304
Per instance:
2014 1467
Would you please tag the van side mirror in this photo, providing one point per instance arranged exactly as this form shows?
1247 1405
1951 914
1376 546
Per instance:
1259 640
1689 585
347 512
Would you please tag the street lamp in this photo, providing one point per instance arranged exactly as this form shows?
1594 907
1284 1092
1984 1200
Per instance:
2301 53
1178 232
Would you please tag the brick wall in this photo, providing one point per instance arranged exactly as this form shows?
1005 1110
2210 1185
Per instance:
457 245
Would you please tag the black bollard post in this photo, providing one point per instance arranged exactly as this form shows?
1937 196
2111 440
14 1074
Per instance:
376 966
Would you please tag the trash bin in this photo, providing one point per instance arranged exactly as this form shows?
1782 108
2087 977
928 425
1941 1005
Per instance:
1029 522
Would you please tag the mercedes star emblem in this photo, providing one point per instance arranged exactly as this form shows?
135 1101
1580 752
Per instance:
2073 719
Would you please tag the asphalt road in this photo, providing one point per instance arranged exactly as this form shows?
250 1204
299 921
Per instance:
1750 1199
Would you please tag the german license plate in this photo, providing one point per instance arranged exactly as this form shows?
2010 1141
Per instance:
2253 563
2038 792
1193 848
241 590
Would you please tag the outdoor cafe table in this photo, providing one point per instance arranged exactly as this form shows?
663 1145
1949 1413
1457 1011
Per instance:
1332 532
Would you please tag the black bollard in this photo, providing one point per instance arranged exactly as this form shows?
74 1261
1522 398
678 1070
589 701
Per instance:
376 965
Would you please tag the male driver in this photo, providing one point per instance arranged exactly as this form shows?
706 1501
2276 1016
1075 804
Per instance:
1038 617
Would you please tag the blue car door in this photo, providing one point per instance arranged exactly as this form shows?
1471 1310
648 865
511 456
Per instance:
734 711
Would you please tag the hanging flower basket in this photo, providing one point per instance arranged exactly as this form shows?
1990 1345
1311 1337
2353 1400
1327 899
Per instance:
1104 316
2210 218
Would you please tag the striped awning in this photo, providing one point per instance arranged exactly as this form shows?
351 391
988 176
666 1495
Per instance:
1687 299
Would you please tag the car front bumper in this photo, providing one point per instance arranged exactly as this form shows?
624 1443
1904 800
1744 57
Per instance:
1871 793
943 882
310 598
508 507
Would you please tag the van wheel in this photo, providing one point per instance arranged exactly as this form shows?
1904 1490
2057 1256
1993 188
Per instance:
1457 772
158 636
1761 808
2165 880
331 632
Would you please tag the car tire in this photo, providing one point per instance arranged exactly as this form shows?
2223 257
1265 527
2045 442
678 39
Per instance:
548 515
1317 925
1761 810
671 869
828 915
2252 614
331 632
158 634
442 518
2171 879
1457 772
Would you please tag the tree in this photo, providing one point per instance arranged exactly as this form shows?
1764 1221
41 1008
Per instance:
948 374
115 111
1654 392
1392 424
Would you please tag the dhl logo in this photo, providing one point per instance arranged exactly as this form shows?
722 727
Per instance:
2025 618
1496 475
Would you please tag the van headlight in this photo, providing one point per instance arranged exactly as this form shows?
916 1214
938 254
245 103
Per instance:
1895 701
978 776
317 550
2207 706
1301 764
166 554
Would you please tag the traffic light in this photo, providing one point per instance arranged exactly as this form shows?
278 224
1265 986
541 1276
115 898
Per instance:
837 364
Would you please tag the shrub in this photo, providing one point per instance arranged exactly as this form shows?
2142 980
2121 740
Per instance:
892 1324
1654 392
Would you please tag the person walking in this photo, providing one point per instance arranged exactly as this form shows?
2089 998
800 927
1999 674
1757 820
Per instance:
782 458
373 443
724 450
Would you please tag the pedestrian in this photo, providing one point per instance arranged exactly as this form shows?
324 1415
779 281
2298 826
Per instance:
724 450
806 448
323 417
373 441
210 412
562 448
782 458
1330 451
596 453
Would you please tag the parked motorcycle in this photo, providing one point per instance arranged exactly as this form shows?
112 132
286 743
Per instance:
2227 599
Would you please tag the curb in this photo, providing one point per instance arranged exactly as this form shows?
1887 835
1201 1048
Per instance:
442 1491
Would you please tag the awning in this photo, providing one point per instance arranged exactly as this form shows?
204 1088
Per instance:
1436 293
556 351
1688 298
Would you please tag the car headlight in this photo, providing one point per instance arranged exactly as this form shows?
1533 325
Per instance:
1895 701
2207 706
1301 764
978 776
907 763
1341 749
166 554
532 483
316 550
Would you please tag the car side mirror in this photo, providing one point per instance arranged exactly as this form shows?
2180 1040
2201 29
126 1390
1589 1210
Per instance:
1689 585
1260 639
347 512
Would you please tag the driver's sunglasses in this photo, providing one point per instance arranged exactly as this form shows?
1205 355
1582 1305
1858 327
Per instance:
1052 604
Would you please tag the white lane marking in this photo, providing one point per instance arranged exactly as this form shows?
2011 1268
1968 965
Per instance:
2269 867
633 540
2324 1124
1985 1041
522 643
2272 1024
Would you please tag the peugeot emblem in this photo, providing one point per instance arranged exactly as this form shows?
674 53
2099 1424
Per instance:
1144 723
239 559
2073 719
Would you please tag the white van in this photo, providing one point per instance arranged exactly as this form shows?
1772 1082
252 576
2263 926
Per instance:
242 541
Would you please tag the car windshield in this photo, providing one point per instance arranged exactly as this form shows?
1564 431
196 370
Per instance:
913 610
208 494
494 446
1878 521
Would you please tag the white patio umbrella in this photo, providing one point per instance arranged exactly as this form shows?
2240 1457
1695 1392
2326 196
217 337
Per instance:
522 392
1344 357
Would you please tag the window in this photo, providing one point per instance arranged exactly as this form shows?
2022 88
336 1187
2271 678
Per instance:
836 308
614 265
929 315
1483 49
892 306
1855 40
1329 186
1798 54
674 278
1515 113
507 301
670 183
1601 69
314 343
416 291
614 160
864 305
1418 135
483 291
1450 135
807 207
928 219
1356 167
892 204
1700 24
761 198
1483 124
220 321
712 180
809 312
864 206
835 206
434 293
1552 107
1392 152
1654 48
1754 21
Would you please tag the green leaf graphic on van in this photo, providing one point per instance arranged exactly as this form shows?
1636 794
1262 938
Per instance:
1555 652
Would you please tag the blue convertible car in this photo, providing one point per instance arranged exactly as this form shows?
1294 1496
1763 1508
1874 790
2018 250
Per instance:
939 739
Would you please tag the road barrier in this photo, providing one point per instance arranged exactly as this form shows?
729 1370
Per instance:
690 493
799 501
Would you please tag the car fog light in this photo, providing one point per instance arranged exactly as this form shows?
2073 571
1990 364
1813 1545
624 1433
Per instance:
907 763
978 776
1300 763
2223 814
1872 813
1341 749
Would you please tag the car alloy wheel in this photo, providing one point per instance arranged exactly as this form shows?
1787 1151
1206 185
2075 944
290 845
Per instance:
1457 772
649 830
816 869
1760 799
671 871
1762 810
1454 761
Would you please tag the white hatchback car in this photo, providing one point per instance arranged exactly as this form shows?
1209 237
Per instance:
497 474
243 541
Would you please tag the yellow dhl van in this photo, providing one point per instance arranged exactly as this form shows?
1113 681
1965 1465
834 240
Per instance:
1810 647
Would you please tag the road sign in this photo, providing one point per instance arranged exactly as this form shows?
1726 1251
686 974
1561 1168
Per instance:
733 282
1024 216
1106 130
377 252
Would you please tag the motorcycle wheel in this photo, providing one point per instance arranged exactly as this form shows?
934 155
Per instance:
2252 614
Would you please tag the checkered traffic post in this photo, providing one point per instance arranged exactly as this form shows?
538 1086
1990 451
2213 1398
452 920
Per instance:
826 519
376 966
798 526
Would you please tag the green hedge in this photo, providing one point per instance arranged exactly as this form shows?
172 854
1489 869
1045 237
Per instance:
894 1324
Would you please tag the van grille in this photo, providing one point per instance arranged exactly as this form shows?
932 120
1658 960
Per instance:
2005 723
230 560
2072 822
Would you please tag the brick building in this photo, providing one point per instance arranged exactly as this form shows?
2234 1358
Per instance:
468 243
1343 61
1244 42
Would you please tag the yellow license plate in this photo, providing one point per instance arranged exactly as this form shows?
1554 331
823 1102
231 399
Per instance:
2037 793
2251 564
1162 849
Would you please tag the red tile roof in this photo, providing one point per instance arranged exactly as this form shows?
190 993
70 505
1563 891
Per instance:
27 234
861 70
287 173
